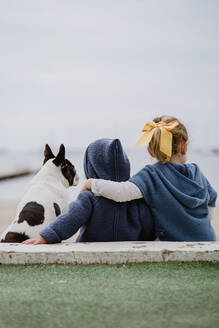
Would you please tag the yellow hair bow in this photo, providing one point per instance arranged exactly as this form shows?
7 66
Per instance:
165 137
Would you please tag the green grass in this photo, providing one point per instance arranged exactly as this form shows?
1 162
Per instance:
140 295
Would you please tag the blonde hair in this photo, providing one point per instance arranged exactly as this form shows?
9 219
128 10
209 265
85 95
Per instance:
179 135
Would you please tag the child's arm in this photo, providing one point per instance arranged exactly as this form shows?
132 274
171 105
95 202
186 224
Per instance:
212 200
117 191
211 212
66 225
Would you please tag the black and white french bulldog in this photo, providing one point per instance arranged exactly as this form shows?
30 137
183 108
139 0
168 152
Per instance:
45 198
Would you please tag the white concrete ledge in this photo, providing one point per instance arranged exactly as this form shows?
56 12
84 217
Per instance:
110 253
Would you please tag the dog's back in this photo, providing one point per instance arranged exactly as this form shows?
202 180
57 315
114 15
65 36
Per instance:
45 199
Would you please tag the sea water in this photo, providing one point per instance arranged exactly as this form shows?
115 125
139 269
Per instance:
13 189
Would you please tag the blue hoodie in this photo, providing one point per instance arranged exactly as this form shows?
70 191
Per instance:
179 196
101 219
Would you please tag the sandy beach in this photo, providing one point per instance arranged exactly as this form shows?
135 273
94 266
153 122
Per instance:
7 213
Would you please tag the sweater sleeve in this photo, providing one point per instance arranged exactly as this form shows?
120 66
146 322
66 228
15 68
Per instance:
66 225
212 195
117 191
211 212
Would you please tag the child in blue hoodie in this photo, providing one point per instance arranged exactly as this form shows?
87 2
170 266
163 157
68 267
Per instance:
101 219
179 195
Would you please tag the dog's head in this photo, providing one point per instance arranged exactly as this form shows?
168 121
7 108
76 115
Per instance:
67 169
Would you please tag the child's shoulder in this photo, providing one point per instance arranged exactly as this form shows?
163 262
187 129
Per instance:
189 170
171 165
84 196
87 196
84 199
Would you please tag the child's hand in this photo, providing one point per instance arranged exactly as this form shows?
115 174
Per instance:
87 185
35 241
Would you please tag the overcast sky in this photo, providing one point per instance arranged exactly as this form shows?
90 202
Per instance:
73 71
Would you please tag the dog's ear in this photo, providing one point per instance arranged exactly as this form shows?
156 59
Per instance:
60 156
48 154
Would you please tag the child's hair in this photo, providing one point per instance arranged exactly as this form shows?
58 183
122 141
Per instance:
179 135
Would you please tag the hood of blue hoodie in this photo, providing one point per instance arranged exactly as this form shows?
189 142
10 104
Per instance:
187 183
106 159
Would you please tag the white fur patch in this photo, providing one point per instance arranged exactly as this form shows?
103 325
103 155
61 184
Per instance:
46 188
